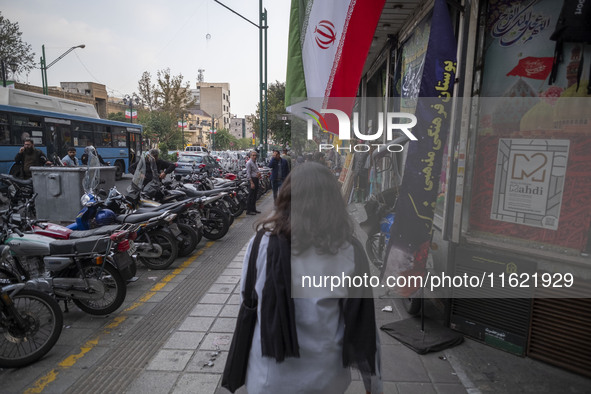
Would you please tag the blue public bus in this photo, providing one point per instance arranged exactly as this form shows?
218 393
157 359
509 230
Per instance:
54 124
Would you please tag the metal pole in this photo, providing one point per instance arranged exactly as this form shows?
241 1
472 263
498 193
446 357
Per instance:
3 74
261 88
183 131
266 90
44 71
130 110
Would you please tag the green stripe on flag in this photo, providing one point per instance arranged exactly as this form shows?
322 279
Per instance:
295 82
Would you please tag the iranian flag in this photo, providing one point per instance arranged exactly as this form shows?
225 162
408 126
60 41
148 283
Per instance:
129 114
181 124
328 46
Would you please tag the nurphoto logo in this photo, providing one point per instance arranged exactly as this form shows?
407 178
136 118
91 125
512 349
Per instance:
344 129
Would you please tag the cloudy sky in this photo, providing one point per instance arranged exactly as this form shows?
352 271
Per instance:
125 38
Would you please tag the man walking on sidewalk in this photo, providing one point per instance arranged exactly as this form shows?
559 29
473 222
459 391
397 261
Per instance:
252 174
279 171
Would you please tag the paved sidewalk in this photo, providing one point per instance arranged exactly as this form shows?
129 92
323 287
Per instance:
193 357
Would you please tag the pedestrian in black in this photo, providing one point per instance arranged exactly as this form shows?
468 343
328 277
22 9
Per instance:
252 174
27 157
279 171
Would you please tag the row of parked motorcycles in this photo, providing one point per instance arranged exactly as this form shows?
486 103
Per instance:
91 262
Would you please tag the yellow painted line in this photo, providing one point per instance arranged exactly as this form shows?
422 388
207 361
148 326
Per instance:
87 347
41 383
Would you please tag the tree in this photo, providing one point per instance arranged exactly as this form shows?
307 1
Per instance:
244 144
278 130
171 94
119 116
147 91
166 101
223 138
160 128
14 53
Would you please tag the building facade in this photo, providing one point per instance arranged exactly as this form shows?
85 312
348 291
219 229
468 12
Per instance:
214 99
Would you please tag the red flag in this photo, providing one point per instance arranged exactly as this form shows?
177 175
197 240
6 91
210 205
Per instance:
533 67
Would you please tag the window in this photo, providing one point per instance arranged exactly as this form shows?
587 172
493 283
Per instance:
82 134
102 136
24 127
119 137
4 129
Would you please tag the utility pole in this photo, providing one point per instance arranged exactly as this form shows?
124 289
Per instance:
262 26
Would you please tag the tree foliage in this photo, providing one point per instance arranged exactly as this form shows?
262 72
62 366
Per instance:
147 91
171 94
279 131
224 140
118 116
16 54
244 144
165 100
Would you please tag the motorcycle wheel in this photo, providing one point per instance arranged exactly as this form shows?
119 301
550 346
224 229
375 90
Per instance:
43 321
115 290
375 249
236 207
8 277
198 230
170 251
189 240
216 225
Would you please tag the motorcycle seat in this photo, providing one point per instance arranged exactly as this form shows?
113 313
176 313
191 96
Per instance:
138 217
207 193
105 230
95 244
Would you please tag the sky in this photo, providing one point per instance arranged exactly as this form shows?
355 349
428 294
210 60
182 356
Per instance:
125 38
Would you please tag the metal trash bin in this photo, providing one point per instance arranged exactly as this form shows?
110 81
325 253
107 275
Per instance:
59 190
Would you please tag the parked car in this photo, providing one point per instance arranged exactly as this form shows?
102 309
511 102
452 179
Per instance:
186 160
196 148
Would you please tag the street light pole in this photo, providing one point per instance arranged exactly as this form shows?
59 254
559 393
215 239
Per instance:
129 100
262 26
183 130
212 132
44 67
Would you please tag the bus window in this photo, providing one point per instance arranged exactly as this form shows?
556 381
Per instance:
101 136
4 129
82 134
59 138
24 126
119 137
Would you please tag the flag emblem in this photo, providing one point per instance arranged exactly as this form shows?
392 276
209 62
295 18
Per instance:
325 34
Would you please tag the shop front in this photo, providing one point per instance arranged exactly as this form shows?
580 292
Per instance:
514 196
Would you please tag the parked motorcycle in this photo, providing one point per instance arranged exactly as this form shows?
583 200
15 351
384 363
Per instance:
17 191
187 224
156 243
30 323
80 270
122 256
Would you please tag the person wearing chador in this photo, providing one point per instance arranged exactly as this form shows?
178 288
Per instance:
305 341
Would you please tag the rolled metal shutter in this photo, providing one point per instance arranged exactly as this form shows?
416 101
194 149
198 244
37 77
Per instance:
560 332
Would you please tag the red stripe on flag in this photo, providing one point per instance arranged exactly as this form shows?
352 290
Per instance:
355 47
353 54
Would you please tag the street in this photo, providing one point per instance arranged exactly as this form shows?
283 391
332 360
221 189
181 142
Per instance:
121 344
173 332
